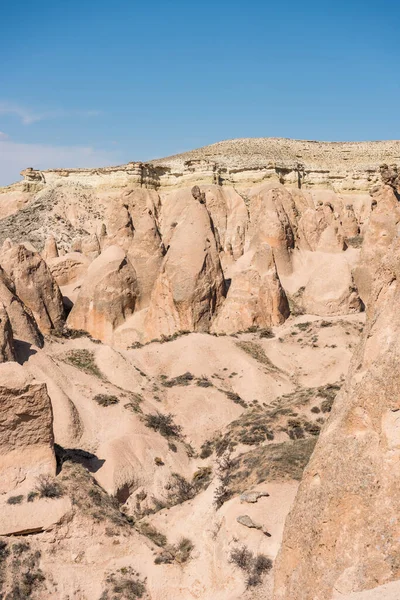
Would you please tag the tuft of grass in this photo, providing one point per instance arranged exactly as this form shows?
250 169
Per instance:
124 584
48 488
184 379
164 424
15 499
266 332
254 566
106 399
83 360
257 352
158 538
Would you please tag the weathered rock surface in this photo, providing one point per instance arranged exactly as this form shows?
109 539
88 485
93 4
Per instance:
333 294
6 337
35 286
23 324
342 533
26 432
107 296
255 296
190 287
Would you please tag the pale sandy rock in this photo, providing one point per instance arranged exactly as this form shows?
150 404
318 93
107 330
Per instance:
342 532
50 249
311 224
332 238
190 287
22 320
252 496
273 214
349 222
248 522
255 296
69 268
229 215
90 246
146 250
6 337
107 296
7 244
330 295
25 518
26 432
35 286
380 231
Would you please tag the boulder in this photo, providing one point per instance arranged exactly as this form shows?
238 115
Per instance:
26 428
107 297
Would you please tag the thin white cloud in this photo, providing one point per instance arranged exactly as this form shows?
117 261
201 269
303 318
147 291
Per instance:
14 157
29 116
3 136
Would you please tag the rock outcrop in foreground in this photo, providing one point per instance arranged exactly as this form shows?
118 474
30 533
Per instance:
342 534
184 339
26 428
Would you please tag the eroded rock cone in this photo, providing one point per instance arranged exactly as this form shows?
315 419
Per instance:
107 296
23 323
35 286
190 287
255 296
26 428
50 248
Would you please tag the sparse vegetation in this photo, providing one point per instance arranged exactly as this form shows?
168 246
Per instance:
355 242
254 566
257 352
47 487
266 332
296 302
184 379
158 538
207 448
83 360
124 584
106 399
15 499
164 424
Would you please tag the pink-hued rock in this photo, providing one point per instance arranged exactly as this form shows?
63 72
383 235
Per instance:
35 286
190 287
255 296
26 428
107 296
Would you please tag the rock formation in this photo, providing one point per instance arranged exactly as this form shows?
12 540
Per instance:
35 286
215 301
342 532
26 434
255 297
190 287
107 296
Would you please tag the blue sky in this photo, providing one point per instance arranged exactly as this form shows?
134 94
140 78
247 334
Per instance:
86 83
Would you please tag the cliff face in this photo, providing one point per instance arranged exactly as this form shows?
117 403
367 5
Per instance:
342 535
341 166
